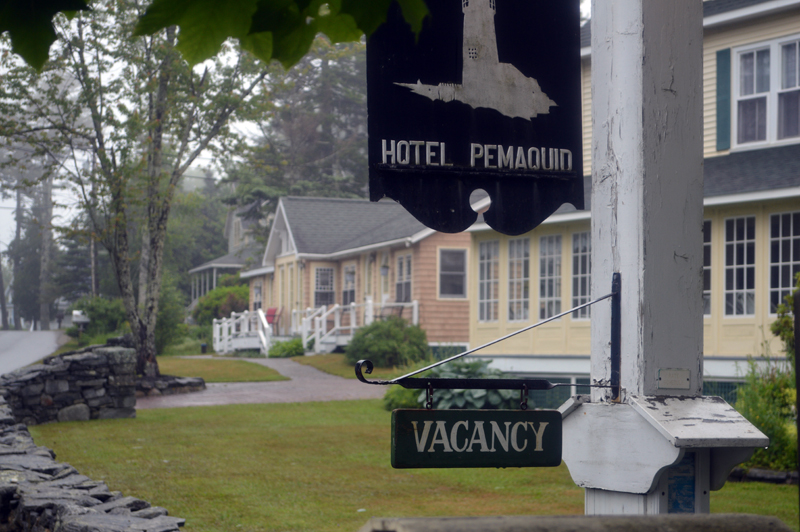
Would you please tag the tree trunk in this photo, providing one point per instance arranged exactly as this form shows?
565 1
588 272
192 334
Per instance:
18 218
3 309
45 275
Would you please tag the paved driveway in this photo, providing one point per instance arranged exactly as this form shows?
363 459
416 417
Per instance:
306 384
20 348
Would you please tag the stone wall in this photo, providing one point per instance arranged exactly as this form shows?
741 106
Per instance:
97 382
39 494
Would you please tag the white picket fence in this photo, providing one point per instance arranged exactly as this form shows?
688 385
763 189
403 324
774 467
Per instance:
242 330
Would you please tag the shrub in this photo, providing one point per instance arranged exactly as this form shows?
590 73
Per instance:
462 399
399 397
170 326
388 343
220 302
767 399
289 348
106 316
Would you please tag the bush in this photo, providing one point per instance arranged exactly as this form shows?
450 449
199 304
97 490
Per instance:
106 316
767 400
399 397
388 343
170 326
462 399
289 348
220 302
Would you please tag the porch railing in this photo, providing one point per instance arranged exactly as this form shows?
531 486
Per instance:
242 330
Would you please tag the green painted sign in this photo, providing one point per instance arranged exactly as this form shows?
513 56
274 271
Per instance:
476 438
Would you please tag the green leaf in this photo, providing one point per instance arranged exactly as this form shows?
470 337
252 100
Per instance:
414 11
204 24
30 26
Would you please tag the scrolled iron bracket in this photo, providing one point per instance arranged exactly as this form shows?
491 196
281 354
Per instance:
368 367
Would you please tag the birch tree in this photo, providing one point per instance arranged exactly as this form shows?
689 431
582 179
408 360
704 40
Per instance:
124 118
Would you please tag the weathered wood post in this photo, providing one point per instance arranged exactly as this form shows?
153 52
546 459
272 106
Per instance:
663 446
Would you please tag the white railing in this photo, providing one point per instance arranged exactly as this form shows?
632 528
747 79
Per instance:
243 330
324 331
250 330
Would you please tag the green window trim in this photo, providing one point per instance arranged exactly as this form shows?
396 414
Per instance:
724 99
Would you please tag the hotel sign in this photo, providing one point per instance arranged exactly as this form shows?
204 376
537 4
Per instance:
487 97
476 438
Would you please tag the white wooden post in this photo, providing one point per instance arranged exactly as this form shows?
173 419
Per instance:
369 311
318 335
353 316
647 214
415 312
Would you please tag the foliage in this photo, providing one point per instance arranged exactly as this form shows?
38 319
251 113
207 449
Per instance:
387 343
220 302
106 315
289 348
459 399
170 326
767 399
270 29
313 140
399 397
783 326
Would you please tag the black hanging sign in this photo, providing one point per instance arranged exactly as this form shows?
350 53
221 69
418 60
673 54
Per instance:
487 97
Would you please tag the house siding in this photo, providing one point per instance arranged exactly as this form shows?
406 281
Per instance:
444 320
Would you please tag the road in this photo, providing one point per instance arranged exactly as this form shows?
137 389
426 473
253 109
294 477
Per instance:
20 348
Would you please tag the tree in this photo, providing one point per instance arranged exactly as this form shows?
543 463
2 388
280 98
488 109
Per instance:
313 140
132 116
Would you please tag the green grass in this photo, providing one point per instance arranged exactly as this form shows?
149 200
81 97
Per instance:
216 370
335 364
313 466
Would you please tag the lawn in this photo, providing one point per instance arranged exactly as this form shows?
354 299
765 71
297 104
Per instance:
314 466
218 370
335 364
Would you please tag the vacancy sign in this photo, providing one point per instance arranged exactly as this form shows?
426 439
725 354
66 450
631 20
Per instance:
486 97
476 438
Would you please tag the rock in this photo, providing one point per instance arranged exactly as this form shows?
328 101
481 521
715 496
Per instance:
150 513
129 503
117 413
765 475
32 389
154 391
79 412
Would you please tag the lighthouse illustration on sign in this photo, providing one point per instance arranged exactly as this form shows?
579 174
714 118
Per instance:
485 81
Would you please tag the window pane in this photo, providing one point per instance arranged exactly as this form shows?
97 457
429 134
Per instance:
789 66
752 125
789 115
762 71
739 266
747 74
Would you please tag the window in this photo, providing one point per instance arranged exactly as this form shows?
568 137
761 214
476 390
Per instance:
549 276
488 280
740 270
349 284
452 273
581 273
323 287
403 284
784 256
518 284
767 90
707 268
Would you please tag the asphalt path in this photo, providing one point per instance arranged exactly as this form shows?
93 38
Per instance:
21 348
306 384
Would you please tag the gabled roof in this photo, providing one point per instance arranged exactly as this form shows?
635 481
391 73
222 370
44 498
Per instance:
234 260
720 11
322 226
